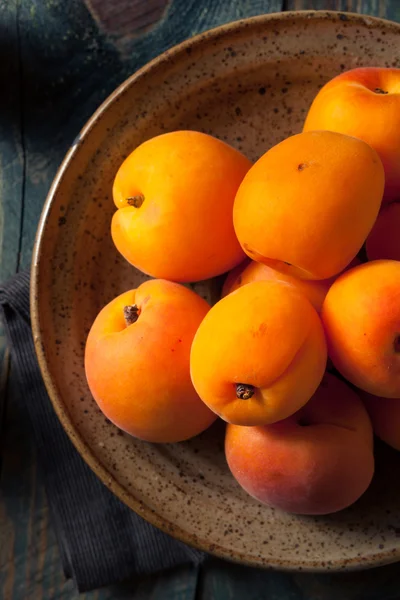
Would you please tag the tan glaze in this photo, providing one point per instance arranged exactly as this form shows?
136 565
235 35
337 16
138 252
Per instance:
250 83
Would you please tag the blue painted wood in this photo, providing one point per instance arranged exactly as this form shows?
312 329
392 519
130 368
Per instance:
386 9
11 163
11 150
220 581
177 584
29 558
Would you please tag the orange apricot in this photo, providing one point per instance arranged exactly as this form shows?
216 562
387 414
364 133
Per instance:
259 354
364 103
307 205
174 195
137 362
384 239
318 461
314 290
361 317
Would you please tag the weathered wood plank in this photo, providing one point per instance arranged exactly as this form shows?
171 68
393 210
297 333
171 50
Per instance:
11 151
4 374
220 580
29 557
122 17
185 18
11 164
11 177
177 584
374 584
388 9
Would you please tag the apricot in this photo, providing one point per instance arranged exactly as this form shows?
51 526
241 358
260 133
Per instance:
364 103
361 317
137 362
315 291
318 461
384 239
174 194
259 354
385 416
307 205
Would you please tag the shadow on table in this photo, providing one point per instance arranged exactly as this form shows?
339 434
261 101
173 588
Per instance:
220 580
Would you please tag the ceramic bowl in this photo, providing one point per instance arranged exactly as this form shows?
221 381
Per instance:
250 83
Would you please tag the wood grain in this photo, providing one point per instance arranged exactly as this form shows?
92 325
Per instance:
122 17
29 556
11 146
11 165
388 9
220 580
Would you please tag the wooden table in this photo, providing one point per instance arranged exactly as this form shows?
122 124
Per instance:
59 60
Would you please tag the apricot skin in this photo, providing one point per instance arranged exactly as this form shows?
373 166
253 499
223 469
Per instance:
361 317
307 205
364 103
265 335
184 184
318 461
139 374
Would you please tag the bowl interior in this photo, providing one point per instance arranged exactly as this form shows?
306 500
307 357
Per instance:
250 84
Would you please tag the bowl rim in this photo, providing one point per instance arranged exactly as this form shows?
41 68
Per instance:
372 560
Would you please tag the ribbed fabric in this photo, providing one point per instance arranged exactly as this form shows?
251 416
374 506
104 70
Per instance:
101 540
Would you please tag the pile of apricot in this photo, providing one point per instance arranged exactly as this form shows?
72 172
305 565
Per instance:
308 237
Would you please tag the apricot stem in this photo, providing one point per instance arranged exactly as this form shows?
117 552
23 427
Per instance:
244 391
397 343
380 91
136 201
131 314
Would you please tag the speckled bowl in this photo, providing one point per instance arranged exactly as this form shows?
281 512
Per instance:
249 83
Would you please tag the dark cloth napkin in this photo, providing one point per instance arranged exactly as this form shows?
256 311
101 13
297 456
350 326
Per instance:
101 540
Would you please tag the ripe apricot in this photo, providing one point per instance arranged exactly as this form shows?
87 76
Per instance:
317 461
174 195
315 291
384 239
307 205
137 362
259 354
361 317
385 416
364 103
